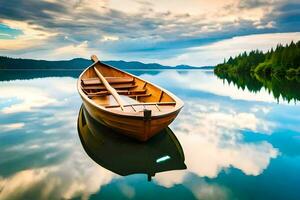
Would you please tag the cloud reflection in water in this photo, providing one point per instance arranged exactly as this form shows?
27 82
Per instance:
49 161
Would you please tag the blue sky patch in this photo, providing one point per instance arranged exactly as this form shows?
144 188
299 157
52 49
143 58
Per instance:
8 33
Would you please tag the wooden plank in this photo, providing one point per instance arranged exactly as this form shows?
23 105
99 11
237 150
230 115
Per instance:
136 91
137 108
140 104
111 80
129 109
102 87
140 95
123 92
103 101
165 107
151 107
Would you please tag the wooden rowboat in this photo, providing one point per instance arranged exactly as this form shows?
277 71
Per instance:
126 103
124 156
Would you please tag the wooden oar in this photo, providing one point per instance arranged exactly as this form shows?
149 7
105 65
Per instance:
107 85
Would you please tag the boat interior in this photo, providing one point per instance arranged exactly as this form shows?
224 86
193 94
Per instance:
136 95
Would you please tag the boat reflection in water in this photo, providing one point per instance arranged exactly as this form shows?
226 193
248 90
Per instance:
125 156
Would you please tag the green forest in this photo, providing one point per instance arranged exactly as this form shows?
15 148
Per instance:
278 71
281 62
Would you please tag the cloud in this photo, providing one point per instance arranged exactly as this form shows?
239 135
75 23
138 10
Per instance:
216 52
217 130
10 127
255 3
139 30
61 181
199 187
80 50
212 140
28 95
109 38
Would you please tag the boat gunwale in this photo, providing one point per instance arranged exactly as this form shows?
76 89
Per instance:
178 106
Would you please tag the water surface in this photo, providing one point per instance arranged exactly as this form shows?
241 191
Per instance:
236 144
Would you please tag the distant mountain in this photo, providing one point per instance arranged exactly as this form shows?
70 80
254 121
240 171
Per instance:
79 63
18 63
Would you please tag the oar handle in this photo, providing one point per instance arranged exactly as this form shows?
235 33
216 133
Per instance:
94 58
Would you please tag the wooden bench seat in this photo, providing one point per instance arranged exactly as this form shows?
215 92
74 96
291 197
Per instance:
111 80
140 95
123 92
116 86
150 103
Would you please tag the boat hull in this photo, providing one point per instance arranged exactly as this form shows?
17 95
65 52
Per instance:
144 109
124 156
132 126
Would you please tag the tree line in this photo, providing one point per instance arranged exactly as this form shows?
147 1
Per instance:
283 61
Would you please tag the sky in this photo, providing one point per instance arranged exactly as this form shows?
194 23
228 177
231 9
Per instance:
193 32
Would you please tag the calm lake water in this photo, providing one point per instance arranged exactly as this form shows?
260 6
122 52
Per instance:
233 143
